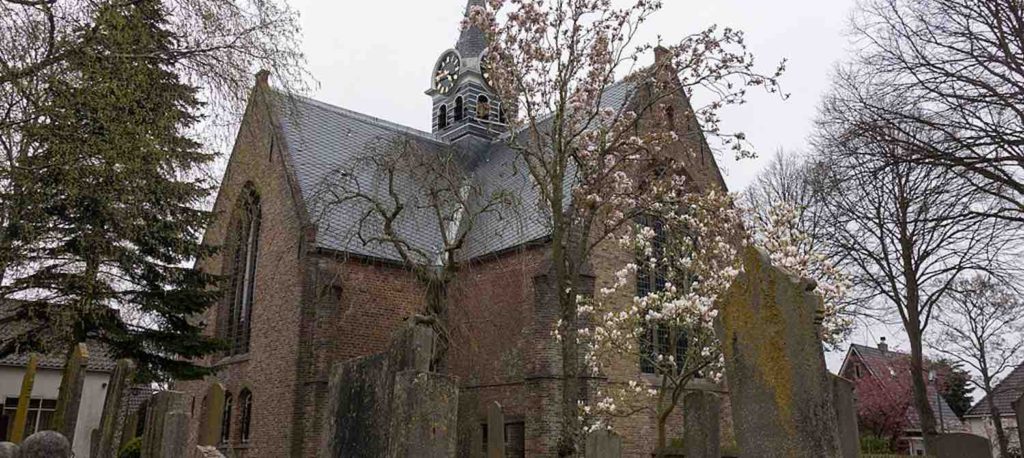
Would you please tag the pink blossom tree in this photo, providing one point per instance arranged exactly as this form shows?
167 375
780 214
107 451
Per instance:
600 158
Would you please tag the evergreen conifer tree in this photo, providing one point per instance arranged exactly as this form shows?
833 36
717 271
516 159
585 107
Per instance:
122 187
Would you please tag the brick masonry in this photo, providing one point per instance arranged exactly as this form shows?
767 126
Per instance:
313 309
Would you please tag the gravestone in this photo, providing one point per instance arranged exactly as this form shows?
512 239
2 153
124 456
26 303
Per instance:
209 429
962 445
21 414
166 430
9 450
389 405
105 442
476 442
779 388
603 444
69 399
845 403
207 451
1018 410
495 431
46 444
701 425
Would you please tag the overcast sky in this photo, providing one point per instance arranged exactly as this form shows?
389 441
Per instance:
375 57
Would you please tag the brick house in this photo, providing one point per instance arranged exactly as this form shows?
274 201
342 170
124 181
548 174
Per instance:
978 418
890 369
306 291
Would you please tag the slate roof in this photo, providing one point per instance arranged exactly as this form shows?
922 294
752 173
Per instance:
323 140
1008 390
881 364
100 358
472 42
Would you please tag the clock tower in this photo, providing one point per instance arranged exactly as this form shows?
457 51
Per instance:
465 108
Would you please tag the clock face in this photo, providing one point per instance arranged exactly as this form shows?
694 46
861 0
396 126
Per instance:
447 73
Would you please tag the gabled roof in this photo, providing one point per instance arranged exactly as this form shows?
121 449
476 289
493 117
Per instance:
100 358
883 364
1007 391
322 139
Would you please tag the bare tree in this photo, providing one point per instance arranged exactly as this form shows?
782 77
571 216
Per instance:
904 233
400 185
982 327
953 69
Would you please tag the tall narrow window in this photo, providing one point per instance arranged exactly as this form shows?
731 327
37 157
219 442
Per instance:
460 109
245 248
245 403
656 340
483 108
442 117
225 419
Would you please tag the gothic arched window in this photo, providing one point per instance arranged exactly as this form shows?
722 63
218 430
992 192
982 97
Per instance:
245 418
244 249
225 419
442 117
656 339
460 109
483 108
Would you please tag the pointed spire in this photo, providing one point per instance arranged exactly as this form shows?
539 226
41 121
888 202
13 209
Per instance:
472 42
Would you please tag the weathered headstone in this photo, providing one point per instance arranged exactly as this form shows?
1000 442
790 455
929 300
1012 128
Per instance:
1018 410
604 444
424 407
166 430
111 421
209 429
389 405
962 445
476 442
845 403
21 414
780 390
69 397
9 450
46 444
702 424
495 431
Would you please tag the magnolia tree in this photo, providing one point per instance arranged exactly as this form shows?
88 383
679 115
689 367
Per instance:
603 151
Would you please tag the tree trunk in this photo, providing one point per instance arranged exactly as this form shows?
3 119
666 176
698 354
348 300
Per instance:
921 399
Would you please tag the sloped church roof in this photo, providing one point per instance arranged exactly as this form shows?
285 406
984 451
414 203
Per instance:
322 139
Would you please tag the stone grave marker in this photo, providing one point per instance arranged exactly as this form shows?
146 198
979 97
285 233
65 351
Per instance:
21 414
702 424
109 436
962 445
495 431
845 403
779 388
166 429
9 450
209 429
65 418
46 444
603 444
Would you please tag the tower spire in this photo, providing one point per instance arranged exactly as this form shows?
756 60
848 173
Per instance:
472 41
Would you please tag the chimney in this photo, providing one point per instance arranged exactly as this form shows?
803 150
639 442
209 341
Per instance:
882 346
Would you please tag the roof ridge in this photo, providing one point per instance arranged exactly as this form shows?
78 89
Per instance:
369 119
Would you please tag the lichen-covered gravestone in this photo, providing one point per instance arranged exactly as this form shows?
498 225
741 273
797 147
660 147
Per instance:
65 417
109 436
702 425
46 444
495 431
209 426
845 403
962 445
604 444
21 414
9 450
166 430
780 390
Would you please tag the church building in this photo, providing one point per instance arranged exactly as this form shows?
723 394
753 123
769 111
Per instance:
307 285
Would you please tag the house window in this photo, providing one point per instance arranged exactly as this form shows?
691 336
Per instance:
245 400
40 413
225 419
242 274
460 109
515 439
442 117
483 108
